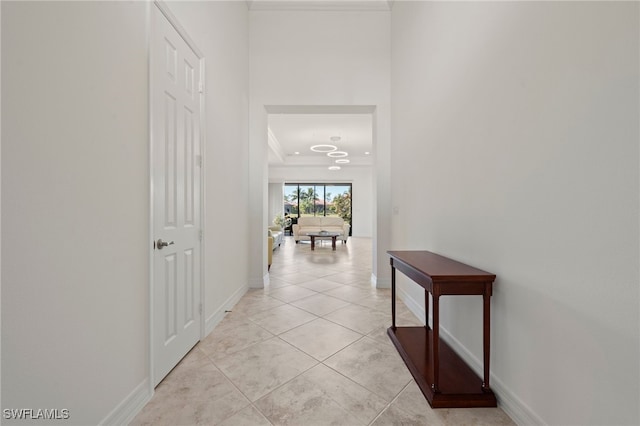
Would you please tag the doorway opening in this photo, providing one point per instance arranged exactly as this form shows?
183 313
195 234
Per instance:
316 153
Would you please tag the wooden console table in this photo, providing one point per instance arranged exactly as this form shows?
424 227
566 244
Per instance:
444 378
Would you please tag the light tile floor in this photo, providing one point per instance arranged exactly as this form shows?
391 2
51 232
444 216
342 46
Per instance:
309 349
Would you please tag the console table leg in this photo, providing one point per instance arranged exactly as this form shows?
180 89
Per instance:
393 297
426 309
486 337
436 342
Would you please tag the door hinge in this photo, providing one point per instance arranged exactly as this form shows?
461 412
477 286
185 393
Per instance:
200 87
200 307
199 160
200 233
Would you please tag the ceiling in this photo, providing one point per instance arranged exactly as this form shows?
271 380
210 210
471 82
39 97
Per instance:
291 137
294 129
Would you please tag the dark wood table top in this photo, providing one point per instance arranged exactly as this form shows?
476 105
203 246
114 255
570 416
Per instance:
440 268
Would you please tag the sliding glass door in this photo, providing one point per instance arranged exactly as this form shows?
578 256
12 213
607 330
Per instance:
338 200
318 199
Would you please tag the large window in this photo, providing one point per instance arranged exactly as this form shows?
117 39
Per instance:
318 199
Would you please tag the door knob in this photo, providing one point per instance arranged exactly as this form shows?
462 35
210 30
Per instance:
161 244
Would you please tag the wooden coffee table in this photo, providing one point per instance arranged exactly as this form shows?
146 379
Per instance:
322 235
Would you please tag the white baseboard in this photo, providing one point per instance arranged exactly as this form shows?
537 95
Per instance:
215 318
411 303
515 408
126 411
380 282
257 282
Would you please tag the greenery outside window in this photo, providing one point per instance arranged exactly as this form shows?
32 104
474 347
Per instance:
318 199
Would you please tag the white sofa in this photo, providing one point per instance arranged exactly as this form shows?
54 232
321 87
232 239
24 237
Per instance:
320 223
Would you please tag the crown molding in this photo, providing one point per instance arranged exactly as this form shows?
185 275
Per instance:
320 5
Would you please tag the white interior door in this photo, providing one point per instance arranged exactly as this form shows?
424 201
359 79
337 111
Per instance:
175 124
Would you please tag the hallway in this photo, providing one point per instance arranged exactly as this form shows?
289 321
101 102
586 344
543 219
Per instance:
309 349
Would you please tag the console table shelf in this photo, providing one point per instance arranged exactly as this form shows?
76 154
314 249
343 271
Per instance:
443 376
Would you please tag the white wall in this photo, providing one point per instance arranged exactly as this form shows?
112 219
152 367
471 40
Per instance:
303 58
75 195
75 202
517 124
276 201
220 30
362 189
1 209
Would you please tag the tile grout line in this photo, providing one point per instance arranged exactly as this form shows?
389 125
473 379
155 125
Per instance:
251 403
